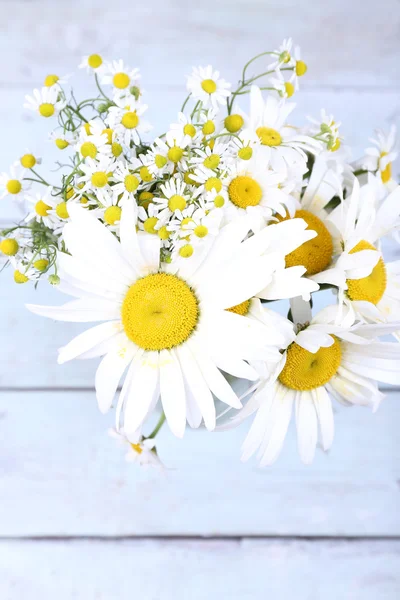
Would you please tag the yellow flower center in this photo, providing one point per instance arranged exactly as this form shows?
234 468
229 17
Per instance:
99 179
20 277
41 264
51 80
301 68
316 254
13 186
305 370
269 136
150 224
70 192
208 127
88 149
189 129
245 153
46 109
244 191
201 231
372 287
61 144
240 309
108 133
386 174
121 81
145 174
130 120
87 129
175 154
28 161
219 201
233 123
212 161
160 161
95 61
163 233
159 312
209 86
186 251
62 210
176 202
131 183
289 87
213 183
42 209
9 247
116 149
145 198
137 448
112 214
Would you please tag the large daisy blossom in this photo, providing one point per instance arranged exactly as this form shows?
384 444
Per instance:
170 327
326 361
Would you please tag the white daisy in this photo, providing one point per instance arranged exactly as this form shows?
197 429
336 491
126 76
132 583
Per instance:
141 451
126 184
281 144
206 85
120 76
168 324
282 55
13 183
62 140
381 156
92 63
97 177
325 361
175 197
47 102
126 120
41 205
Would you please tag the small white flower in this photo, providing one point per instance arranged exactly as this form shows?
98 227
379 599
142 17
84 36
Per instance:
13 183
92 63
381 156
141 451
47 102
175 198
120 76
206 85
97 178
126 120
282 55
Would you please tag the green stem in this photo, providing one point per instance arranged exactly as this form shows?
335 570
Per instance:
157 428
184 104
78 114
40 177
246 66
99 88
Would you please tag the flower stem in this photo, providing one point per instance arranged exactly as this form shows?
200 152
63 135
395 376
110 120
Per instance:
157 428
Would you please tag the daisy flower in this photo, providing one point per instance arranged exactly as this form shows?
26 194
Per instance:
375 294
95 143
29 160
170 154
126 184
13 183
326 361
96 178
206 85
283 55
55 81
141 451
217 157
62 140
24 270
185 127
175 197
381 156
254 191
281 144
120 76
47 102
41 208
167 324
92 63
126 120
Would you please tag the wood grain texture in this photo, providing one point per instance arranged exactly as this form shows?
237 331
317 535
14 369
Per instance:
178 570
343 42
60 475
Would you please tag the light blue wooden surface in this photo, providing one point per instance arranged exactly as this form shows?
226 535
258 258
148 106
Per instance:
59 474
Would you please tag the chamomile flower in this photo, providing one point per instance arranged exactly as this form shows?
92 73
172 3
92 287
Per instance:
126 184
92 145
206 85
254 191
139 450
281 144
326 361
13 183
217 157
175 350
92 63
174 197
47 209
62 140
185 126
97 177
327 130
120 76
282 55
125 118
29 159
170 154
24 270
53 80
380 157
285 88
47 102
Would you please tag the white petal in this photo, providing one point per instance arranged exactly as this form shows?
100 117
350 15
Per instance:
172 391
323 407
307 426
84 310
88 340
108 375
143 387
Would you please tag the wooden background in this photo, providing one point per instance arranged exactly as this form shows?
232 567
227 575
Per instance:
76 521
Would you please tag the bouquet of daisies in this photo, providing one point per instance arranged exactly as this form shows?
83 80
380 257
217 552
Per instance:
177 247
